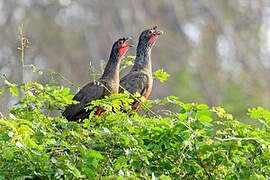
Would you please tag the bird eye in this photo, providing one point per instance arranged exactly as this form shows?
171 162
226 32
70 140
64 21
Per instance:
120 42
150 32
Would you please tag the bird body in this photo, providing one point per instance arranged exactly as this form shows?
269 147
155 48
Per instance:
108 84
140 82
139 79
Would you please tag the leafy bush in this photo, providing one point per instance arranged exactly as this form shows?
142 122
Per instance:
195 141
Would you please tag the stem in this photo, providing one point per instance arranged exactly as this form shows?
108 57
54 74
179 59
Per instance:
64 78
142 103
22 49
5 77
235 138
22 58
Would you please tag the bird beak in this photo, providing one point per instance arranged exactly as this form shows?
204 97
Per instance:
158 32
128 38
128 45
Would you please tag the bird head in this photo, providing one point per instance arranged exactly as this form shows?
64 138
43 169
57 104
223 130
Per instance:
121 47
149 36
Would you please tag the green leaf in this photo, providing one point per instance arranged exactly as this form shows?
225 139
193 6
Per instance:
202 107
12 88
205 118
6 137
164 177
34 68
182 116
204 149
89 172
161 75
65 91
74 170
132 57
2 89
93 153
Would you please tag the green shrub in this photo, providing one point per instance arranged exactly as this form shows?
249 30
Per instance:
193 142
196 141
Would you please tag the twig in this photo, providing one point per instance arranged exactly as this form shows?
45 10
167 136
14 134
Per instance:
63 77
235 138
142 103
23 46
5 76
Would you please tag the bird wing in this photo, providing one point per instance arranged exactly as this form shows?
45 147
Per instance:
134 82
88 93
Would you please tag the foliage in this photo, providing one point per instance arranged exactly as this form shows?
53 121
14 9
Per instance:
12 88
161 75
195 141
128 61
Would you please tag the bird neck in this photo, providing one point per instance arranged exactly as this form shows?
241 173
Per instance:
111 71
143 58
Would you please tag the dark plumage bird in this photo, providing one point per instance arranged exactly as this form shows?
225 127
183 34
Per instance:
105 86
139 79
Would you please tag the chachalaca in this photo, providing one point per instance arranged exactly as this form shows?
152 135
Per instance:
139 79
105 86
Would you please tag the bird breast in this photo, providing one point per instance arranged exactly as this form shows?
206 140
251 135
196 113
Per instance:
112 87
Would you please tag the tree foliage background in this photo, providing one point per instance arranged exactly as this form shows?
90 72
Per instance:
217 52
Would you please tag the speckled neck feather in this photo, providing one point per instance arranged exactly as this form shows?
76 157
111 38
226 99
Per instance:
143 57
111 71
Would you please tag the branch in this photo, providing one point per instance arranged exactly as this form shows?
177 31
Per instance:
235 138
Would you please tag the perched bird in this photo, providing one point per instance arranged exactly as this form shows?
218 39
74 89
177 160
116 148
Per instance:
105 86
139 79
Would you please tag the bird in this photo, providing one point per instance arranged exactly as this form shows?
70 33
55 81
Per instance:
105 86
139 79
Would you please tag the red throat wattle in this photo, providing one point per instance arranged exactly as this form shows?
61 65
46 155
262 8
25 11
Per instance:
122 51
153 39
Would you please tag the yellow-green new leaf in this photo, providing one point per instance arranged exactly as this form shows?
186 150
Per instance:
2 89
12 88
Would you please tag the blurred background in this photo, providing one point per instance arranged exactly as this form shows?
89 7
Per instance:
217 52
